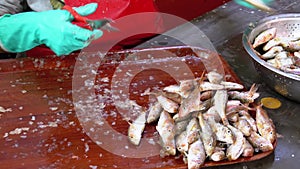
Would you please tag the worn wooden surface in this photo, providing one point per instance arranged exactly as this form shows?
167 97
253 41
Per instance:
39 125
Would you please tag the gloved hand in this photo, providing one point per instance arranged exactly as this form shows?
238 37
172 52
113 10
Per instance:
255 4
24 31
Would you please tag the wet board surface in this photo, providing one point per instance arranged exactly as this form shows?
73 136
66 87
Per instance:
72 112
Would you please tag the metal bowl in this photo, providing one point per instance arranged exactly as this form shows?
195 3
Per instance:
287 25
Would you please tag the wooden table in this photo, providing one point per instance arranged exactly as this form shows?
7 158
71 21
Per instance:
39 127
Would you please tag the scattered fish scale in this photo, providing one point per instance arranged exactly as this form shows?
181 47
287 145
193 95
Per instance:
219 127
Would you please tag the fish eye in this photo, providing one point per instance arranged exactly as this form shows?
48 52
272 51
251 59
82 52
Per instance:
168 148
261 145
210 144
228 131
271 132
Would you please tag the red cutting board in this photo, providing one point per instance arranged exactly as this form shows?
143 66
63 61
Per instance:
51 122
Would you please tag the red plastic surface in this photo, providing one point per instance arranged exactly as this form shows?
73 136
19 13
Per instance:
115 9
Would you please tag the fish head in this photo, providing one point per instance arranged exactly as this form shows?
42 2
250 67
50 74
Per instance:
210 147
270 135
228 136
170 149
133 138
266 146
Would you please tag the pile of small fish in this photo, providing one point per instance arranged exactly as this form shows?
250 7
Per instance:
282 53
207 119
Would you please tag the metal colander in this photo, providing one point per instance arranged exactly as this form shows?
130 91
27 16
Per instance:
287 25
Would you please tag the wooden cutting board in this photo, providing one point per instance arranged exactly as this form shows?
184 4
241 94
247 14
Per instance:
70 112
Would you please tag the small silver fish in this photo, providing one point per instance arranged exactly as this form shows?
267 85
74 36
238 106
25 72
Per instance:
186 87
190 104
273 42
214 77
260 142
272 52
180 126
154 112
166 130
245 115
248 150
207 135
196 155
233 117
172 89
245 97
218 154
192 131
264 37
279 41
220 101
265 125
282 55
232 85
167 104
136 129
206 95
212 112
292 45
296 59
207 86
235 150
222 132
281 63
181 142
173 96
295 71
243 126
234 106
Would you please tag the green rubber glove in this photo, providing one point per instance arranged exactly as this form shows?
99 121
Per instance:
24 31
